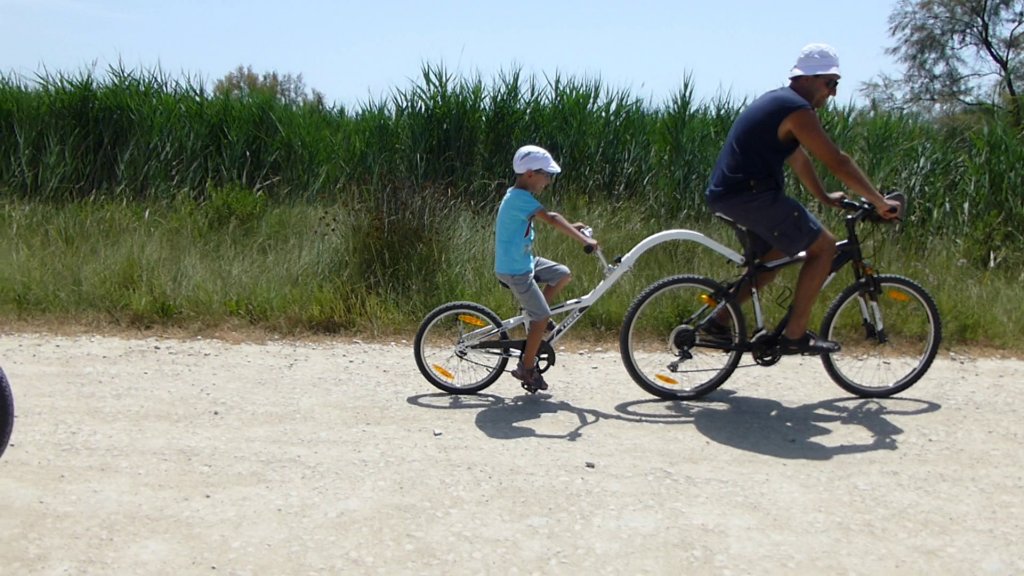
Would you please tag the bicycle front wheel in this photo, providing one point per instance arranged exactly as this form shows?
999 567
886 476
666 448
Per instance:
662 347
889 336
6 411
444 348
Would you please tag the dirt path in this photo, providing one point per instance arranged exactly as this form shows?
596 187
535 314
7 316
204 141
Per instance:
163 456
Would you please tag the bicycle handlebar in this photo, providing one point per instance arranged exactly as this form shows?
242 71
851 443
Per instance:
866 210
589 233
595 250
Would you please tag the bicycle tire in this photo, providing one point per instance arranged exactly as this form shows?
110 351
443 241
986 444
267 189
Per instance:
659 344
6 412
875 364
442 357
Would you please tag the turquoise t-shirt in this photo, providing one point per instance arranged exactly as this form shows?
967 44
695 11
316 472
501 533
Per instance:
513 235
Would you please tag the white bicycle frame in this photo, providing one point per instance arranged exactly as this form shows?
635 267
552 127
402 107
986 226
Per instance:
576 307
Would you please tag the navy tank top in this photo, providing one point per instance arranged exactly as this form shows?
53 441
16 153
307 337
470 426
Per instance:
753 157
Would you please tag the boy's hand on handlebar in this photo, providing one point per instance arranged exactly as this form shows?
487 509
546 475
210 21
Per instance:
589 244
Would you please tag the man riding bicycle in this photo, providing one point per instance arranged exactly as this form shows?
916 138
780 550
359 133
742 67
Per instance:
748 186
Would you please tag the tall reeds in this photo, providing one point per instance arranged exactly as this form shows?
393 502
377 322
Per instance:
404 187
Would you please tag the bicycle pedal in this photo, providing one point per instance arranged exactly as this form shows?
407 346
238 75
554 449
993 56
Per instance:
529 387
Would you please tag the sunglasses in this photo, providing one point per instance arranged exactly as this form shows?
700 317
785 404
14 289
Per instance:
832 83
546 173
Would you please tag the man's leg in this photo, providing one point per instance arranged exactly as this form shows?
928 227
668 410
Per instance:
812 275
762 280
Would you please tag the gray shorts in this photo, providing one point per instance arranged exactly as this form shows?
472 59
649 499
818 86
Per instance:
526 287
776 220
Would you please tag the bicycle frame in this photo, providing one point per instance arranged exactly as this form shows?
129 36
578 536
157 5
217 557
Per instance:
671 349
613 272
848 251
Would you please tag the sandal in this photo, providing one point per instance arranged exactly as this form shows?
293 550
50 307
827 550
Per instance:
530 378
714 332
808 345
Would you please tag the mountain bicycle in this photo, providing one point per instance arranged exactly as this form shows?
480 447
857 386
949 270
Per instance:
6 411
888 326
464 347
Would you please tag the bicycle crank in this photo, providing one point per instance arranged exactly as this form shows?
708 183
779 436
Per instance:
545 355
765 350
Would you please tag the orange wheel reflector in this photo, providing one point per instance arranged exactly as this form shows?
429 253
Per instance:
667 380
472 320
898 296
708 300
444 373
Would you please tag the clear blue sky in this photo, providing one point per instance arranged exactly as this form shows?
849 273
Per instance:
352 51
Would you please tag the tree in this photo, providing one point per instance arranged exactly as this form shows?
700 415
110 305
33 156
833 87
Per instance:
243 82
956 54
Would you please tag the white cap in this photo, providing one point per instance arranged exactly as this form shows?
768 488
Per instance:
534 158
816 59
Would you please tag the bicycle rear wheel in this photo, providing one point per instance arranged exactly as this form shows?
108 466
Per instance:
443 350
6 411
889 336
662 348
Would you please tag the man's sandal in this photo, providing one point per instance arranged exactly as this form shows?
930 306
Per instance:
808 345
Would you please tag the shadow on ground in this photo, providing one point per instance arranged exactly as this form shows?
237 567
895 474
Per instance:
757 425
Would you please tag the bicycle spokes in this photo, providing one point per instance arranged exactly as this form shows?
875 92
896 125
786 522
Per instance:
443 372
661 343
889 336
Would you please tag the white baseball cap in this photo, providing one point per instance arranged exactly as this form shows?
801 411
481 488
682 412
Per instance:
816 59
534 158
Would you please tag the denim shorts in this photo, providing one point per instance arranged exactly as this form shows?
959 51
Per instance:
527 290
776 220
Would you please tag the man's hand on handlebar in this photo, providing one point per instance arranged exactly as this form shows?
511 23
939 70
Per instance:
888 209
835 199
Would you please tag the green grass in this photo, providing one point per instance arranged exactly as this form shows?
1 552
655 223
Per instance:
140 200
314 268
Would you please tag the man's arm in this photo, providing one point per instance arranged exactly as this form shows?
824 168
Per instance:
806 128
801 165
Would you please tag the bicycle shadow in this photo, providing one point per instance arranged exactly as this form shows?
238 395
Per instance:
769 427
758 425
506 418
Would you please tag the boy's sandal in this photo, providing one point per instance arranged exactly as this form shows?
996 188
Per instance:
809 345
531 379
521 372
535 383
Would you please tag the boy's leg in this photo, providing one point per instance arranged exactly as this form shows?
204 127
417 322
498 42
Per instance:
551 290
526 371
534 335
553 275
536 308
